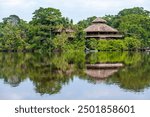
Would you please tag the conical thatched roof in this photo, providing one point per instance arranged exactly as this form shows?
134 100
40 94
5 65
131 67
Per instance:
99 25
99 20
100 28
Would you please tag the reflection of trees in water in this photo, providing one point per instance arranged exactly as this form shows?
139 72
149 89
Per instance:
49 72
135 77
114 57
12 68
14 81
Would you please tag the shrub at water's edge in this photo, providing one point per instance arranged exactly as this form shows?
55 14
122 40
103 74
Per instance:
129 43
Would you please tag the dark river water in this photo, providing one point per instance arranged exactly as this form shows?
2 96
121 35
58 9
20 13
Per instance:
75 75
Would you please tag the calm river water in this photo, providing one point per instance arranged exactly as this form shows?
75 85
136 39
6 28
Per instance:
75 75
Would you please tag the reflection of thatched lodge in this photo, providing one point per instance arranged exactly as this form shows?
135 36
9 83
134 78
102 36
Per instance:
102 71
100 30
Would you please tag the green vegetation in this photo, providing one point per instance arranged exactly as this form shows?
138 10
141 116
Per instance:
13 34
40 34
134 22
50 72
114 57
134 76
128 43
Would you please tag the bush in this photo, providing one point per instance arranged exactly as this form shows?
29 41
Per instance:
132 43
102 45
129 43
111 45
60 41
92 44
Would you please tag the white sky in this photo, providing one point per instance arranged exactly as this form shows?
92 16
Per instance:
74 9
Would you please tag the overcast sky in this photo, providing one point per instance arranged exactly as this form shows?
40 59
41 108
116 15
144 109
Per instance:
74 9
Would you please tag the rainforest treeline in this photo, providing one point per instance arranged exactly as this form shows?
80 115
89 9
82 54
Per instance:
40 33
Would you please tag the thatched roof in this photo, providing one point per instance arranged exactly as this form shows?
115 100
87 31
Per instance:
99 20
67 30
99 25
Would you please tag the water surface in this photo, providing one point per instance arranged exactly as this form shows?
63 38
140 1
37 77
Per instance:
75 75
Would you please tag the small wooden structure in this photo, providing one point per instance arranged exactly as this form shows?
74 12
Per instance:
100 30
68 31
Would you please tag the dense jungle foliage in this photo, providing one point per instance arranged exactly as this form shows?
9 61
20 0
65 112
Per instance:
40 33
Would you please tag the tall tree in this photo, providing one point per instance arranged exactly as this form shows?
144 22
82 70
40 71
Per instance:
47 19
135 10
134 22
13 34
12 19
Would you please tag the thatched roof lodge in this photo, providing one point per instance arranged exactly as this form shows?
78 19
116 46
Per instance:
100 30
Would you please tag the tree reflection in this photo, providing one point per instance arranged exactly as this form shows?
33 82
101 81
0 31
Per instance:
50 72
135 77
